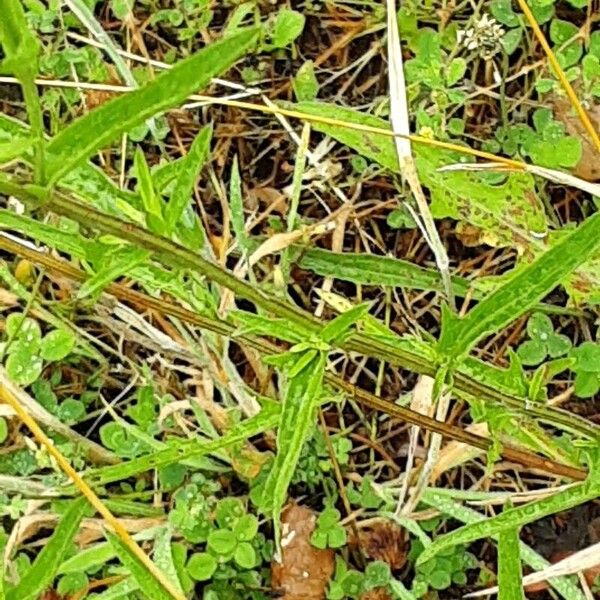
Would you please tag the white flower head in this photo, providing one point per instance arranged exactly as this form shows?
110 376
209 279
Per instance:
484 36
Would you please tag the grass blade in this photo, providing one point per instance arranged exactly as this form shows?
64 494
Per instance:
96 129
42 572
515 517
441 500
139 571
510 575
186 178
522 292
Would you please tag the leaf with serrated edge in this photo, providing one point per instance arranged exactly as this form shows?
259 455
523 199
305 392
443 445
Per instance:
295 423
520 293
44 569
99 127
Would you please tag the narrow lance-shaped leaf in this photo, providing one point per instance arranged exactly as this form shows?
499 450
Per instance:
266 419
522 292
510 574
42 572
186 178
295 424
150 199
441 500
149 585
96 129
236 202
515 517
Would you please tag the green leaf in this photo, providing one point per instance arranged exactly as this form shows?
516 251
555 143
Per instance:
442 501
514 518
503 13
23 367
522 291
182 451
510 575
341 326
150 199
562 31
532 352
147 582
99 127
539 326
222 541
245 556
305 84
119 261
456 71
558 345
20 45
45 567
201 566
186 179
12 150
587 356
163 557
246 528
295 425
587 384
370 269
236 202
3 430
287 27
57 344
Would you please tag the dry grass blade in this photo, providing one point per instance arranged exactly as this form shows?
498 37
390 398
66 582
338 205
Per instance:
578 562
401 124
539 34
9 395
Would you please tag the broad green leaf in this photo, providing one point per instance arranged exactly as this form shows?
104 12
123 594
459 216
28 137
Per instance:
186 178
442 501
266 419
305 84
510 575
43 571
288 25
89 133
20 46
521 293
515 517
57 344
12 150
295 425
118 262
147 582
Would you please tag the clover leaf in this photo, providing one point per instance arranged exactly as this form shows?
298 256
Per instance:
587 369
543 341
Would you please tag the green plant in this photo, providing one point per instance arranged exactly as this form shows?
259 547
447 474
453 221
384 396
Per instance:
441 572
543 341
328 532
586 368
27 351
350 583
